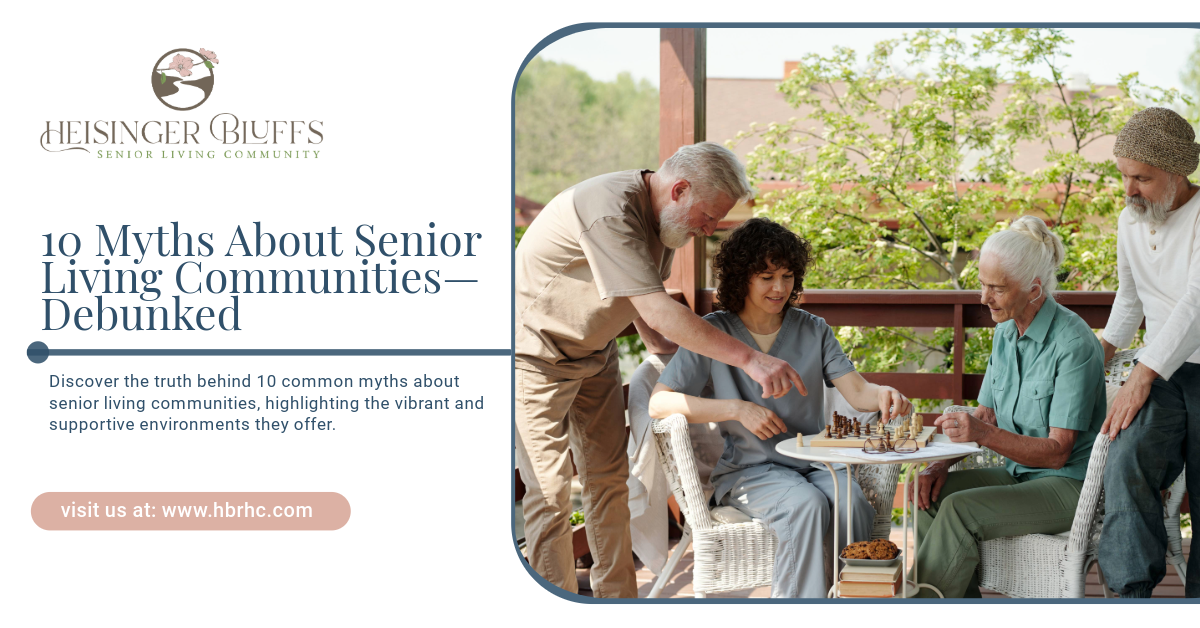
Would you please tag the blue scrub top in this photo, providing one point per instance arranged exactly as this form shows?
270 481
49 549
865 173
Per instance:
804 341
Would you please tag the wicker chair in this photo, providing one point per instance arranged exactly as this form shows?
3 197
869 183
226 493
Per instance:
1043 565
735 556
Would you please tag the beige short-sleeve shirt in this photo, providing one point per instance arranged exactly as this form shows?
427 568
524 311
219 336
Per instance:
593 244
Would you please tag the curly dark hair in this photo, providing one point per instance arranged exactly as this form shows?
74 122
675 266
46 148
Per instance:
748 250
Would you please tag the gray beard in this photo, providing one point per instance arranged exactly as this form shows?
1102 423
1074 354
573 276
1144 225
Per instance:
673 231
1154 213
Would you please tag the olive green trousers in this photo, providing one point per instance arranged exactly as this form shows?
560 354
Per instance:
982 504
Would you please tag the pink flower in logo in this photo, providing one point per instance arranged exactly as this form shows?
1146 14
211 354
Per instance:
210 55
182 64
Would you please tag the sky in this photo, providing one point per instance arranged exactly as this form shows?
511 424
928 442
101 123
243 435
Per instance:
1103 54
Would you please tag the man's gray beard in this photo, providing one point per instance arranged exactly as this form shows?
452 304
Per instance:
1153 212
673 230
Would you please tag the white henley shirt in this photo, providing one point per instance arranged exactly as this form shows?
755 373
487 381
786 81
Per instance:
1159 272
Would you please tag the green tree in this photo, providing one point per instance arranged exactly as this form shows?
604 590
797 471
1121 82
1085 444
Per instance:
1191 82
904 167
571 127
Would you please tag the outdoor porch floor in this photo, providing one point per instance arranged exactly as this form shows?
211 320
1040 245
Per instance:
680 586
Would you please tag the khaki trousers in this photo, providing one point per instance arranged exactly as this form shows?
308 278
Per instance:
587 415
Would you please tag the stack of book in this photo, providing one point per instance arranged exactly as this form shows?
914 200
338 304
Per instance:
857 581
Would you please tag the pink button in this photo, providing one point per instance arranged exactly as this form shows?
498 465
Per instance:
190 511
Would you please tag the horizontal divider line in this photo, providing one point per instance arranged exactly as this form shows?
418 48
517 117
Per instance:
279 352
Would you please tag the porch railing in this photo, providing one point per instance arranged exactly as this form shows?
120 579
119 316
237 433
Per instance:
957 309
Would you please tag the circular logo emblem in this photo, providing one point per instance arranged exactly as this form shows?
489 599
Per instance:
183 78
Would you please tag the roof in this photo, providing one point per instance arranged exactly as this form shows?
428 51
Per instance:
527 210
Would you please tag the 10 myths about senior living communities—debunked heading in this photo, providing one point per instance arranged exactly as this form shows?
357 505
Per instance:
190 276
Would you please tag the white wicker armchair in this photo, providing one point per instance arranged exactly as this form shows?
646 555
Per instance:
735 556
1042 565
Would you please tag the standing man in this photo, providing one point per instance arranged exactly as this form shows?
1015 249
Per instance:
593 262
1157 413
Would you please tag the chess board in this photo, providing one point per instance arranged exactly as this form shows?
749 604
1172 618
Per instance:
820 440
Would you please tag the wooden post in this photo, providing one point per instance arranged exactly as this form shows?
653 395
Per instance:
682 76
959 350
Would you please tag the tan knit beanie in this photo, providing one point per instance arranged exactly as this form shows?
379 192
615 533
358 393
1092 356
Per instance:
1161 138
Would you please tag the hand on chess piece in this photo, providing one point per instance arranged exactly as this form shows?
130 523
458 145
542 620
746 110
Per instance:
892 404
962 427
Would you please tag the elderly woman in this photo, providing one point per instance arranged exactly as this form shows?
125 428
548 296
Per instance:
761 269
1041 405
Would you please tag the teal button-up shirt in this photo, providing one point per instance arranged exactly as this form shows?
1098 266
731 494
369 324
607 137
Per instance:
1052 376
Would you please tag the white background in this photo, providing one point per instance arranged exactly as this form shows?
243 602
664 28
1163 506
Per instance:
415 101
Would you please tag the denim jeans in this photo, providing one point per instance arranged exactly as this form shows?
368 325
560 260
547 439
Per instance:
1143 461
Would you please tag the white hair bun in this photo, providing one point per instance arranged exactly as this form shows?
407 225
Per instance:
1028 250
1035 228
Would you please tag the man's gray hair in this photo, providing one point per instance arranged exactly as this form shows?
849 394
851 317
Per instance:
1028 250
710 168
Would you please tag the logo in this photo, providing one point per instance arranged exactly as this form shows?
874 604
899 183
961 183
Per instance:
183 78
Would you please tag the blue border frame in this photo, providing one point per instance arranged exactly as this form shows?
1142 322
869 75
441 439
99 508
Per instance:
587 26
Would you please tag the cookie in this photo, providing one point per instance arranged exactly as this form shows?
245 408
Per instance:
879 549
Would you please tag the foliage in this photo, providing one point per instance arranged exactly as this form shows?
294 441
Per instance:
576 518
517 233
904 166
631 345
1191 81
571 128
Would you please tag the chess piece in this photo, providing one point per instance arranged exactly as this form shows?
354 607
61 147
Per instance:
827 431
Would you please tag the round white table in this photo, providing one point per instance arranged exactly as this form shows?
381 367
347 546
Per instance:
792 449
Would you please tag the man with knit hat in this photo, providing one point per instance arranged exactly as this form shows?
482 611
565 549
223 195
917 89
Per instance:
1155 419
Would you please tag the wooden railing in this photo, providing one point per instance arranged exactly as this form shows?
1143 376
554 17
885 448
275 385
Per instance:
958 309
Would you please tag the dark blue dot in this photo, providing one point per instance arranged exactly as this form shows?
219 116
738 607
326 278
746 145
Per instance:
38 351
